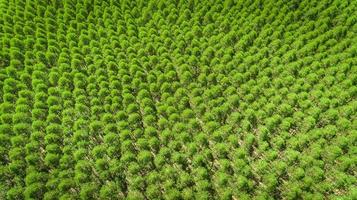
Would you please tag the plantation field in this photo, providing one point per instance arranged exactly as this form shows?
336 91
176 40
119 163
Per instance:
178 99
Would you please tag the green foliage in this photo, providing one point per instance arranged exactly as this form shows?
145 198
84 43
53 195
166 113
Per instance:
178 99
